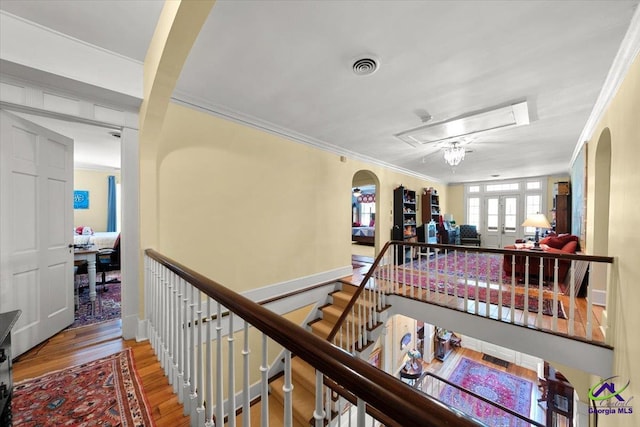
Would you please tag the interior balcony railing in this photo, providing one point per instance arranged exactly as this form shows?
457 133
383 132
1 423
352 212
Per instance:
550 292
213 346
434 385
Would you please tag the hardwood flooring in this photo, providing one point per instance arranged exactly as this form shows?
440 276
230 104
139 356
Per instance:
75 346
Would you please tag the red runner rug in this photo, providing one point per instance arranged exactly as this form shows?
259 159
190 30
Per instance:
104 392
500 387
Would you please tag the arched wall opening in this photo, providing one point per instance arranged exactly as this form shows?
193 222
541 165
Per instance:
363 217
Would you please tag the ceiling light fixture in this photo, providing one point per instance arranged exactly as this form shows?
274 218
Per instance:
357 192
454 154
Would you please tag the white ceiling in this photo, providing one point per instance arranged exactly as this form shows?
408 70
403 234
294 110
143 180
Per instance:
285 66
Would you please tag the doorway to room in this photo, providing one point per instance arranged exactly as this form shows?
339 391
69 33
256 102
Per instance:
364 205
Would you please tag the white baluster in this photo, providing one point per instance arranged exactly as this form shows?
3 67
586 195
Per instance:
590 303
540 292
513 289
525 317
219 371
318 412
572 297
488 291
246 398
264 385
554 321
208 413
193 396
199 416
287 387
231 399
361 414
181 335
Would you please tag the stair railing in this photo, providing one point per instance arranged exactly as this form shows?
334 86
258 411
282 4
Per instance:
182 307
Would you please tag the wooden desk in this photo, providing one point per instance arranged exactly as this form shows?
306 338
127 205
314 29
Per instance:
88 255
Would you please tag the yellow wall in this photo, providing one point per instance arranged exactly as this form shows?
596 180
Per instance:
623 293
456 203
249 209
96 182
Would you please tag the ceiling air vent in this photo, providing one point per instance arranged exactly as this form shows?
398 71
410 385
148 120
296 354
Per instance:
365 66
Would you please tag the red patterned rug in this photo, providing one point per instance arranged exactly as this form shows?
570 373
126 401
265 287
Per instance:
436 284
107 306
505 389
105 392
484 267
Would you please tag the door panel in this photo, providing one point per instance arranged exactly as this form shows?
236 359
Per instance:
502 217
36 220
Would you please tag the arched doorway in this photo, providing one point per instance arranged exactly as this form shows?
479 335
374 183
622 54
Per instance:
364 205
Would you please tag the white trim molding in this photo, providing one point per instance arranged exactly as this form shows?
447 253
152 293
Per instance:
628 51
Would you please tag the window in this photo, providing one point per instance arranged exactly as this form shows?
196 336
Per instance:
533 185
510 214
514 186
474 189
367 214
473 211
532 206
492 214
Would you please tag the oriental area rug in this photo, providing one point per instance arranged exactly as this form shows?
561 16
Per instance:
104 392
107 305
458 287
497 386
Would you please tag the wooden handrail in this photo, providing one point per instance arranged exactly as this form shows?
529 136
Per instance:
379 389
357 293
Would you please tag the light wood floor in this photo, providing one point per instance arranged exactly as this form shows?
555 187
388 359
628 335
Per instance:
80 345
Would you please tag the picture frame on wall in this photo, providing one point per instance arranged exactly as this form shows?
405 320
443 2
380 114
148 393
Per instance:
80 199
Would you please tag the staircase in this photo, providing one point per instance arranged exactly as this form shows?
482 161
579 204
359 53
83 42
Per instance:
303 376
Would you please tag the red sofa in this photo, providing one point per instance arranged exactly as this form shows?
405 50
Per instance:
561 244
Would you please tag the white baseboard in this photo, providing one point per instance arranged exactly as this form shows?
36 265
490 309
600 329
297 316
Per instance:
599 297
142 334
130 326
289 286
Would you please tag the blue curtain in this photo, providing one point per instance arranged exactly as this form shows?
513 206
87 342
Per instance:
111 204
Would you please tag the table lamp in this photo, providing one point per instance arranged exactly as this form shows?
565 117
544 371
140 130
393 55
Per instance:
538 221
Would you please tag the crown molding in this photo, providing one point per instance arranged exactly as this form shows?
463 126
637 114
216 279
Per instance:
192 102
627 52
68 37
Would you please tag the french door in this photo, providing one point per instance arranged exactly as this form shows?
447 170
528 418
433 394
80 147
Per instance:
502 220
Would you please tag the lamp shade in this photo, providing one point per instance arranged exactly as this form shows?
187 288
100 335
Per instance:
537 220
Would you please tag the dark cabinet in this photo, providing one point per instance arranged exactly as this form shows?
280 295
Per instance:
404 220
430 206
7 321
562 209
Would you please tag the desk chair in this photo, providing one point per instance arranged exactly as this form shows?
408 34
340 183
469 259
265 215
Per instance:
108 259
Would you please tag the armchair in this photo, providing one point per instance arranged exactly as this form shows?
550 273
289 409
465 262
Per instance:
469 235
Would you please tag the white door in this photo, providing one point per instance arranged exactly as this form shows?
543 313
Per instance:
36 223
502 221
